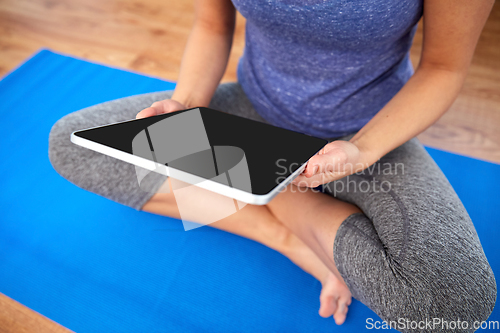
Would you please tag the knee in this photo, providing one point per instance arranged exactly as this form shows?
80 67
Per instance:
484 294
60 145
448 297
461 282
472 297
469 295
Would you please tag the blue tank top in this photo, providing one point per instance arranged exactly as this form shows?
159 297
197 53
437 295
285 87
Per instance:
325 68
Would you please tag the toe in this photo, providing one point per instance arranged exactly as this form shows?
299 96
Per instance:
341 312
328 305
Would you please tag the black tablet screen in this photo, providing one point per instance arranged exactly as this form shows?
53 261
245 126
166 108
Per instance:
209 143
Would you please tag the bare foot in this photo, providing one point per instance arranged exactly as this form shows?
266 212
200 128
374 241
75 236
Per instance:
335 298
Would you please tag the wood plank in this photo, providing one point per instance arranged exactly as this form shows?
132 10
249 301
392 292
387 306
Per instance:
472 125
16 318
149 36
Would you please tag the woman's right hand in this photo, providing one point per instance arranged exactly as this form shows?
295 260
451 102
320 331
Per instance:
164 106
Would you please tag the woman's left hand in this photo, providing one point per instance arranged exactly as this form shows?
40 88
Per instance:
336 160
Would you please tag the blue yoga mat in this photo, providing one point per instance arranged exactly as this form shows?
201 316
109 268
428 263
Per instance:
96 266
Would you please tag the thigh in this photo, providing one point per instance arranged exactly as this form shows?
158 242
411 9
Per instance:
409 201
415 246
112 178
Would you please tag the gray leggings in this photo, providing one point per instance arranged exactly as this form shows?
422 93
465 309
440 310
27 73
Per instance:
412 255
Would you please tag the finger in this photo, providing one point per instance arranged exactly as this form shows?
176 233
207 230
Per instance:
161 107
332 161
167 106
303 181
318 179
147 112
311 168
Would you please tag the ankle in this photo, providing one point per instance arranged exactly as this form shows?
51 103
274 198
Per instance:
292 246
281 239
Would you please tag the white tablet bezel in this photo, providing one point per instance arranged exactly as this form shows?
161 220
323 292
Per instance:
246 197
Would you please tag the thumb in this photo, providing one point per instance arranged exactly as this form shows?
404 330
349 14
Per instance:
147 112
160 107
167 105
332 161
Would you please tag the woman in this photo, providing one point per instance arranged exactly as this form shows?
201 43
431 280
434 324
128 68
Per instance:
403 245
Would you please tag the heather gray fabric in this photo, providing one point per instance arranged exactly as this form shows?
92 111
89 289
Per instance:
325 68
107 176
412 254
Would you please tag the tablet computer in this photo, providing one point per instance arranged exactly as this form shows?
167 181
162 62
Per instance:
243 159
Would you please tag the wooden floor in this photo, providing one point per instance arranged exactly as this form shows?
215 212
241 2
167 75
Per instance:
16 318
148 36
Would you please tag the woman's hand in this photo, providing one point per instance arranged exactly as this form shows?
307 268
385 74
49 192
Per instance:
336 160
165 106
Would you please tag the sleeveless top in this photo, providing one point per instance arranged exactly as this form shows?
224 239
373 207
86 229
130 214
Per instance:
325 68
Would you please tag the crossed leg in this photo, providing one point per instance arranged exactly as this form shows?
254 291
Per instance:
413 253
117 181
313 216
